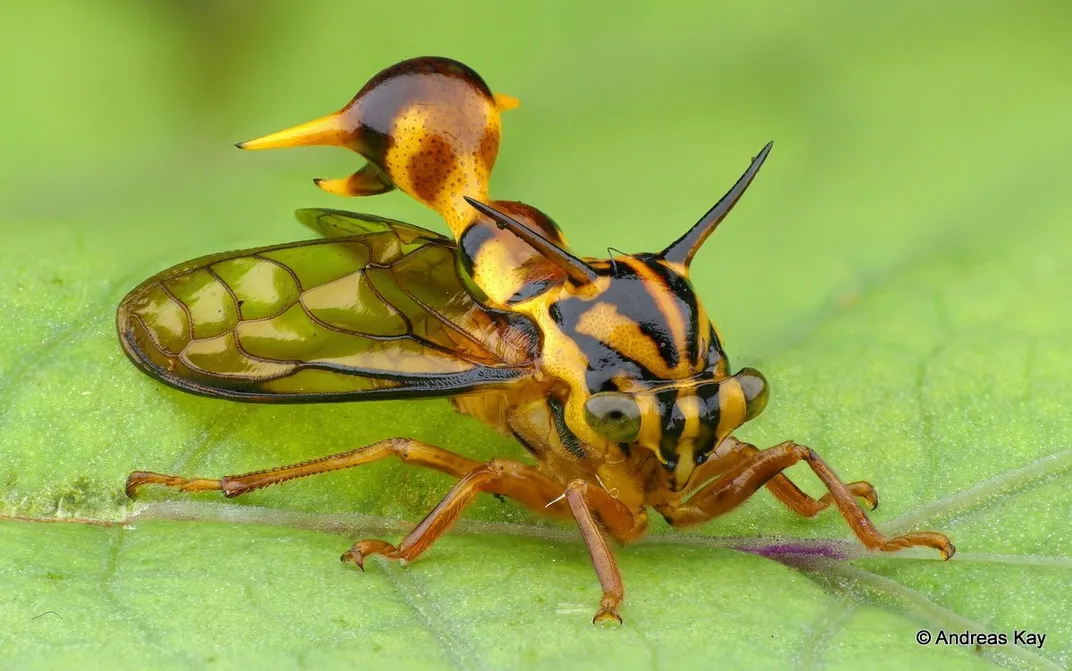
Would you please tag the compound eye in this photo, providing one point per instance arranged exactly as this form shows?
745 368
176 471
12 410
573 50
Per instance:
613 415
755 390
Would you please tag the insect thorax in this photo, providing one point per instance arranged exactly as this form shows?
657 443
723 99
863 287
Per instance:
642 327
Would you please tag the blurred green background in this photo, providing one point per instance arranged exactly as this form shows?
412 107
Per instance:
121 116
899 269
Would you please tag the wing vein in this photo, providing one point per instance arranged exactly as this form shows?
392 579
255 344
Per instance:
443 320
464 344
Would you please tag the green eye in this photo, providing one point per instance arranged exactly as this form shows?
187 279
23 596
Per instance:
755 389
613 415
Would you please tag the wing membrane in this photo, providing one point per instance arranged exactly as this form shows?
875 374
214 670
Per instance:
375 310
340 223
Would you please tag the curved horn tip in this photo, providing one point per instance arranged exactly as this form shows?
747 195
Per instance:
682 250
762 155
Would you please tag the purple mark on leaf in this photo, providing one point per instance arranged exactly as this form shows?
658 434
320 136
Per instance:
784 551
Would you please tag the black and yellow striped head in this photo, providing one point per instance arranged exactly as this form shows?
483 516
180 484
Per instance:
680 422
630 339
648 368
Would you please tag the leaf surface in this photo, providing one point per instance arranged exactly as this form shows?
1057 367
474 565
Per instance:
899 272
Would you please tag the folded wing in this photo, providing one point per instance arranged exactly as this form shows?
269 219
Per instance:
377 310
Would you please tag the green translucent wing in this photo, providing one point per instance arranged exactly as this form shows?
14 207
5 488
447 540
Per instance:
340 223
377 310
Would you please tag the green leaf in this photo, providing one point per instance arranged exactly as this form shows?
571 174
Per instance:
899 272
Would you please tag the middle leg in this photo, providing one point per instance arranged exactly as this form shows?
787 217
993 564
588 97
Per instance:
586 502
498 476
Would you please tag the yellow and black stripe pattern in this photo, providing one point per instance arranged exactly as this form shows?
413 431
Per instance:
641 324
638 329
629 325
683 423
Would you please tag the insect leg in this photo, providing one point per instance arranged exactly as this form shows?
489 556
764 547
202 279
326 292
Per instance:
621 522
498 476
732 451
530 487
741 481
409 451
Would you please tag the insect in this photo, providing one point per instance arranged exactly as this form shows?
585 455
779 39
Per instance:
608 371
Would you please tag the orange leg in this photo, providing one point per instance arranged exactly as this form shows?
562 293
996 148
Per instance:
523 483
623 524
409 451
732 452
530 487
739 482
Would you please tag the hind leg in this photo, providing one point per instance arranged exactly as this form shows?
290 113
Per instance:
409 451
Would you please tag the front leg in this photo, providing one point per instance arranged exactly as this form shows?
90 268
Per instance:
745 478
732 452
